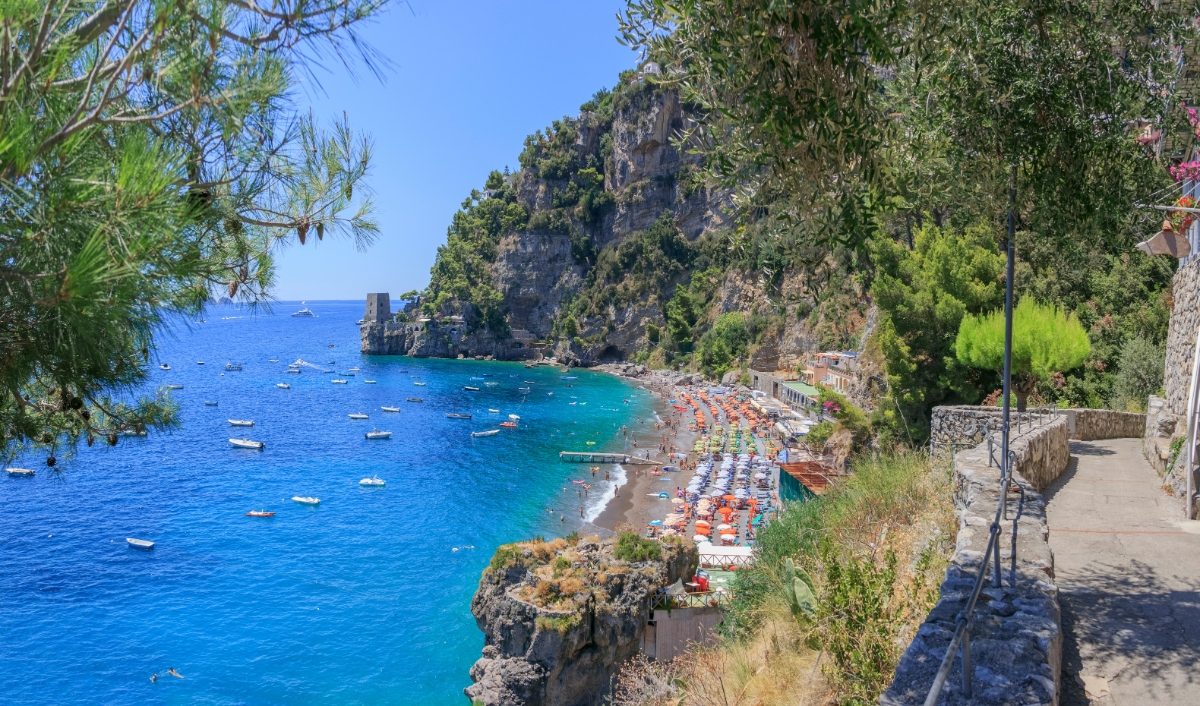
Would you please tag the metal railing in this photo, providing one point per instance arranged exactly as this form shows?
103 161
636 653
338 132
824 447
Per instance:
961 640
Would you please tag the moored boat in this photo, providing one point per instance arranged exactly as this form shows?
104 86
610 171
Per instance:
306 500
470 388
377 434
283 386
368 382
489 432
199 362
457 415
19 472
139 543
415 399
509 425
240 422
515 417
175 387
293 371
248 444
418 383
493 411
233 366
210 403
338 381
355 370
390 409
373 481
260 513
357 415
164 366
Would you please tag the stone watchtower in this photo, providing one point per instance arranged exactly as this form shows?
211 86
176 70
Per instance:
379 307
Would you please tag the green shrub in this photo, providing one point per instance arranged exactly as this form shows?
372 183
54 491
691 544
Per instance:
632 548
506 555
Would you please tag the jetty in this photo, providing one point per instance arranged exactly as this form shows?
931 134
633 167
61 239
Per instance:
600 457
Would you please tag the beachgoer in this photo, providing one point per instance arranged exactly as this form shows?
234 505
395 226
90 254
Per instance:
154 678
174 673
581 511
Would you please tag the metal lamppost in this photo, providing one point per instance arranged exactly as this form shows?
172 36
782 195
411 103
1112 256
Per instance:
1010 256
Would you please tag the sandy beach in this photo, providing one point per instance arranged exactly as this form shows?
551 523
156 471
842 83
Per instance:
637 501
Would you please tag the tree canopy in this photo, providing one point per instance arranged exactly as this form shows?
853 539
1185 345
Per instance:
150 156
1045 340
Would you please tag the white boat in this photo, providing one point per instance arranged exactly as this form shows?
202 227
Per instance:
374 481
390 409
199 362
175 387
293 371
357 415
515 417
338 381
377 434
356 370
272 360
493 411
489 432
283 386
490 384
470 388
248 444
415 399
139 543
233 366
368 382
457 415
164 366
210 403
19 472
418 383
304 312
240 422
306 500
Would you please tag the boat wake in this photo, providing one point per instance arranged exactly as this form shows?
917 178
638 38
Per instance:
618 478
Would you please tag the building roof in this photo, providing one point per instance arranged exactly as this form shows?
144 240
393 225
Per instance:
803 388
814 475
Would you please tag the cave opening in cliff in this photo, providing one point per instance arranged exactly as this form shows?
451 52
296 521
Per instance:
611 354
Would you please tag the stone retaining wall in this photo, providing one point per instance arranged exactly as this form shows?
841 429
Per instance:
1016 642
958 426
1181 337
1093 424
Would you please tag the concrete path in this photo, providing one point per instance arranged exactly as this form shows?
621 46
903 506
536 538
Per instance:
1128 572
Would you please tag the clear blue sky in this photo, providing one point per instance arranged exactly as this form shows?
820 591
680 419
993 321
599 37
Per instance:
469 80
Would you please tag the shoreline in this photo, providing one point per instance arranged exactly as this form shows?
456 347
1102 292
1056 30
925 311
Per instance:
636 501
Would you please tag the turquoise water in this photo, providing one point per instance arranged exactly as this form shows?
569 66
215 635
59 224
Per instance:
360 600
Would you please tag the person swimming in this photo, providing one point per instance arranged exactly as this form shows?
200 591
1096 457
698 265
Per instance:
154 678
173 672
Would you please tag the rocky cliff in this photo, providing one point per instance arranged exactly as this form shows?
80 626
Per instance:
559 617
607 245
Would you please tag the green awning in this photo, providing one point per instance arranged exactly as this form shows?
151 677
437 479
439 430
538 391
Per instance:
803 388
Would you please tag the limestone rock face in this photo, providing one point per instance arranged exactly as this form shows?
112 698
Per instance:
563 649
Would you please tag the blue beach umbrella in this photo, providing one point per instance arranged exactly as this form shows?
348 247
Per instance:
655 523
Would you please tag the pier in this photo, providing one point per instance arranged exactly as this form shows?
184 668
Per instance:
600 457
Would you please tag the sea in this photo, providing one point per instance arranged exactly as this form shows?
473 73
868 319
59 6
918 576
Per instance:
362 599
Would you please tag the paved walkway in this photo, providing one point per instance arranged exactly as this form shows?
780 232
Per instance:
1128 571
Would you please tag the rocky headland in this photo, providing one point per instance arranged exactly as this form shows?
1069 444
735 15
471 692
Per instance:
560 617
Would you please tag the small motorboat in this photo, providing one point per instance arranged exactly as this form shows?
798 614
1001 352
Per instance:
139 543
164 366
272 360
418 383
237 367
509 425
493 411
523 390
457 415
489 432
306 500
19 472
338 381
527 382
210 403
373 481
515 417
199 362
415 399
390 409
283 386
355 370
377 434
240 422
489 383
470 388
357 415
368 382
293 371
346 373
260 513
248 444
175 387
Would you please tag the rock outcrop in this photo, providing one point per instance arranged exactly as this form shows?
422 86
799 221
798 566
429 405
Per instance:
559 619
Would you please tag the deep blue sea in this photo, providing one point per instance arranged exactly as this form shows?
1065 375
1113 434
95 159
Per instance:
360 600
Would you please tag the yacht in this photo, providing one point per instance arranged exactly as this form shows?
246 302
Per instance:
240 422
248 444
304 312
306 500
19 472
293 371
374 481
199 362
418 383
377 434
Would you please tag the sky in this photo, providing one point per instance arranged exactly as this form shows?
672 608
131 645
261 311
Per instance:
467 81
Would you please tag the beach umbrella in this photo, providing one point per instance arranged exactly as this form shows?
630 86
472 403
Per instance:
700 539
676 501
704 531
703 523
730 498
722 527
656 523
